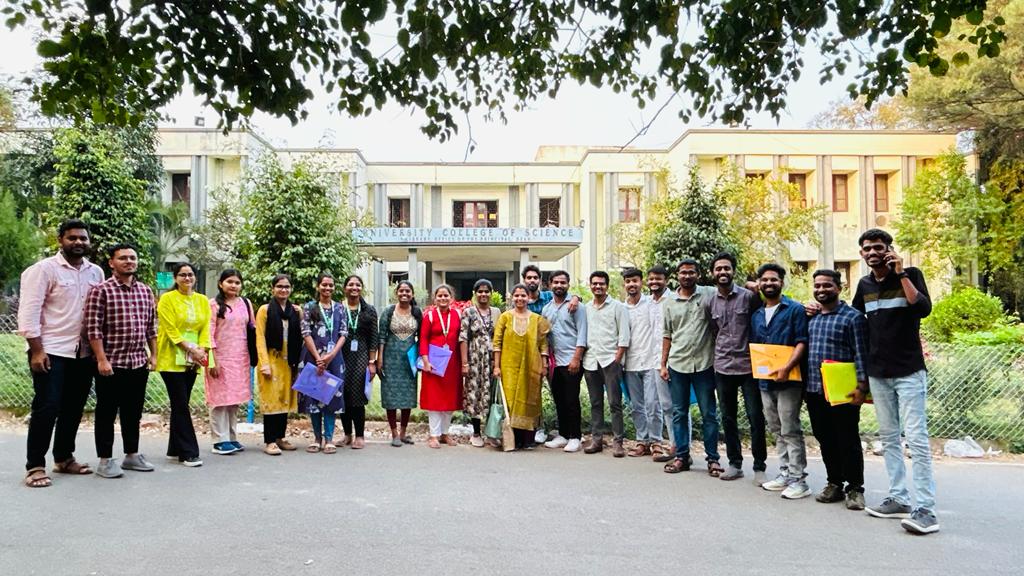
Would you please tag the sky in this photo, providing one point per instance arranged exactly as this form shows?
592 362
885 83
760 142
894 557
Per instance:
579 115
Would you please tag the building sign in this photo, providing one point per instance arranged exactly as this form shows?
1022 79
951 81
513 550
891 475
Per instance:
452 236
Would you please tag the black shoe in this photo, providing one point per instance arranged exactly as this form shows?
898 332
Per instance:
831 493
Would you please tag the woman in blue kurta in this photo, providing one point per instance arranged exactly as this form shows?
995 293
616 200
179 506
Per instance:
324 330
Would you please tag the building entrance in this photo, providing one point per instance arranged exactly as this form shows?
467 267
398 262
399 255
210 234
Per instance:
463 282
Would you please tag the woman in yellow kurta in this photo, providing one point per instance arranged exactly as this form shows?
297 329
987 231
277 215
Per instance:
520 355
182 346
278 344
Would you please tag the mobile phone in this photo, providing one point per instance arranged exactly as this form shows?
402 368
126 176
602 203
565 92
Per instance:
891 265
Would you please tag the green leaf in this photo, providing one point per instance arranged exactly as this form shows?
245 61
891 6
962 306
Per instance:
975 17
50 49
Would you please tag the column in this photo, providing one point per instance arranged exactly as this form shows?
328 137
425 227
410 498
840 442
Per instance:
532 205
567 219
592 222
428 280
416 206
436 209
524 257
826 254
513 206
198 180
414 267
380 204
611 205
380 284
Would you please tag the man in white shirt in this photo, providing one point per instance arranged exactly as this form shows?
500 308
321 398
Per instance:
640 365
607 342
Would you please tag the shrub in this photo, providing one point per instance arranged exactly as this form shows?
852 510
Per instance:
965 310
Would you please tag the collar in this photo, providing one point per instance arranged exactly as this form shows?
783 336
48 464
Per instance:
839 308
64 262
677 296
732 292
130 284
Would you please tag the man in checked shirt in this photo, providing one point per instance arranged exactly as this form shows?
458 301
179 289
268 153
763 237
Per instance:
837 333
120 323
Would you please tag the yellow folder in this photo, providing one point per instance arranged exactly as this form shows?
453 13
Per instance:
767 358
839 379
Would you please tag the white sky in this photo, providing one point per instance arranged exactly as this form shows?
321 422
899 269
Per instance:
579 115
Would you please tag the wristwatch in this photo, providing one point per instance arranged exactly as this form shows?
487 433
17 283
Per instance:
902 275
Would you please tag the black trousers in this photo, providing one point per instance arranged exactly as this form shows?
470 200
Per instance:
182 439
728 387
837 430
123 391
565 391
58 402
275 427
354 417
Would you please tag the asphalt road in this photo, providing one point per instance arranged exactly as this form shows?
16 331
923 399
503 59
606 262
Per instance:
463 510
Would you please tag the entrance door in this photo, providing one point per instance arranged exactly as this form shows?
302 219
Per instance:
463 282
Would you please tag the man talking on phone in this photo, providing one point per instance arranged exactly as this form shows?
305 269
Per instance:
895 299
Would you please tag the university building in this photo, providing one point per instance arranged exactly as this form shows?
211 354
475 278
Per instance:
455 222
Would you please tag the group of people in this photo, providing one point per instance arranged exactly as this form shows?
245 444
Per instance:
660 348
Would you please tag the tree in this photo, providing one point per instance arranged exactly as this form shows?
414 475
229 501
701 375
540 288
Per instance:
22 244
8 110
213 242
115 60
93 181
885 114
295 222
170 226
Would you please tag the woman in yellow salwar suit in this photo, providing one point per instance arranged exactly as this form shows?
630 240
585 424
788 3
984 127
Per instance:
520 358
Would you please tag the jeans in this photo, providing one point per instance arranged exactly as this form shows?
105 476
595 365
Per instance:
323 425
598 381
59 400
902 400
565 391
837 430
181 441
728 387
643 394
782 411
667 411
123 391
703 384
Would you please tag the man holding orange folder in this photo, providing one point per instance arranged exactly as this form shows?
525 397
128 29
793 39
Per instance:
838 333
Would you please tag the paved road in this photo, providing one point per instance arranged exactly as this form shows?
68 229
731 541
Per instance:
470 511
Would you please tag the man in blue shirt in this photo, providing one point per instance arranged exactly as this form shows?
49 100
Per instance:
567 344
783 321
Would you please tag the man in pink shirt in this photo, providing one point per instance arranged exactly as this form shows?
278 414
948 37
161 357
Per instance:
53 293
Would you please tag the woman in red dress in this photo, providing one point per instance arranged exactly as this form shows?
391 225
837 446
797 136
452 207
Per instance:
440 395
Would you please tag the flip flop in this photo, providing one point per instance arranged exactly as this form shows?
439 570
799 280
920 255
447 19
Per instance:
72 467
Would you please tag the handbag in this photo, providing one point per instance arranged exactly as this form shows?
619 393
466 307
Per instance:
250 336
495 416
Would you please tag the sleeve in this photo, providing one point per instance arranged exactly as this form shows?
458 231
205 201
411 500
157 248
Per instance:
168 315
858 300
204 323
799 320
152 329
425 333
923 306
581 326
261 336
859 329
755 319
543 329
499 330
464 328
304 326
755 303
384 325
622 319
34 282
372 335
94 313
342 322
213 324
666 322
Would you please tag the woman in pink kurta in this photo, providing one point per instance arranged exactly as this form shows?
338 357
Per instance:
228 385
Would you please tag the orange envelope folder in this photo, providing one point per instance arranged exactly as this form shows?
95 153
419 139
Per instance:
767 358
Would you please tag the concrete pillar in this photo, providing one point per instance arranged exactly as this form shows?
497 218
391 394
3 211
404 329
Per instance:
532 205
380 204
428 278
567 219
826 255
198 183
380 284
524 257
414 267
436 209
513 206
611 205
416 206
592 221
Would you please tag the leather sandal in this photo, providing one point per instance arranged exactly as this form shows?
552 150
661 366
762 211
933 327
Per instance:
37 478
639 450
677 465
71 466
715 469
659 454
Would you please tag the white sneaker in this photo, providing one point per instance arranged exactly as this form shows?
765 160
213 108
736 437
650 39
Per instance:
573 445
477 442
556 442
780 483
796 490
540 436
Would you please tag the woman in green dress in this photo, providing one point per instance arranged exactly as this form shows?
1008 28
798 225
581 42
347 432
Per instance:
475 344
399 329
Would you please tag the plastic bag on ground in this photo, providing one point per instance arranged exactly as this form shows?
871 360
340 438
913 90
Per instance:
965 448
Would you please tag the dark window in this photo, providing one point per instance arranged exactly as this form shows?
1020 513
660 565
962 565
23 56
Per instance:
844 271
840 197
396 276
549 208
181 188
755 175
800 181
398 212
476 214
629 204
881 193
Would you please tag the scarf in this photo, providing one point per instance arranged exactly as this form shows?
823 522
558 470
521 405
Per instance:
274 332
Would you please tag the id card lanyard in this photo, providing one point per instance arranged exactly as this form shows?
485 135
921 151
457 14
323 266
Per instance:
445 326
353 324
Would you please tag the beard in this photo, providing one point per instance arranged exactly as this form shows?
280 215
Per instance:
560 292
771 292
827 299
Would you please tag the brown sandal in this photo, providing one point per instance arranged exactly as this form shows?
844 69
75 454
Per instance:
72 467
37 478
715 469
677 465
659 454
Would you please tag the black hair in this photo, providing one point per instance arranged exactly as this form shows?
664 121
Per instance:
558 273
177 268
632 273
724 256
833 274
483 282
658 269
518 286
279 277
531 268
875 234
599 274
71 224
222 305
350 277
687 262
320 277
772 267
412 289
118 247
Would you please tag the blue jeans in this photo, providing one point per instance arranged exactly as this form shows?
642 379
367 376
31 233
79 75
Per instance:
903 400
703 384
323 425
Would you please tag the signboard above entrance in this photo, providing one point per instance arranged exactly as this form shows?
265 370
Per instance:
460 236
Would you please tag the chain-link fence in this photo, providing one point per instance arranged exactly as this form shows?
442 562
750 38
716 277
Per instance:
973 390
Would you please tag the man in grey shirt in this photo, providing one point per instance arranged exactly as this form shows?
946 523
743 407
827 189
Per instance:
567 343
607 342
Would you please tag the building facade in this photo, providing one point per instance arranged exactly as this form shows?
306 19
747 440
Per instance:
455 222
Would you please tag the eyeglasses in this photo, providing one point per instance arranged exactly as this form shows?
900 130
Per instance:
285 287
186 275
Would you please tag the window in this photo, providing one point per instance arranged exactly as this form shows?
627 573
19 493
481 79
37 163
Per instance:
800 181
181 188
398 212
881 192
629 204
844 271
476 214
394 277
549 208
755 175
840 197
